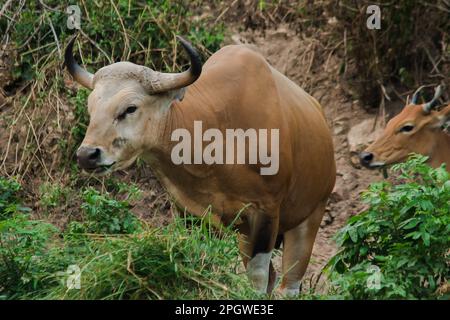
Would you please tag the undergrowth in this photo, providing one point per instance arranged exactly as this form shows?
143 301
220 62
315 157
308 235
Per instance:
399 247
91 259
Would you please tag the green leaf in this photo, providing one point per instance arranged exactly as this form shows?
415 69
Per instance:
353 234
410 223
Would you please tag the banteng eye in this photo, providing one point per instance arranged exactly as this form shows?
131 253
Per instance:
129 110
407 128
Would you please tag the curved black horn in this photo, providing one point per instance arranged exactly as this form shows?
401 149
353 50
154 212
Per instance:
430 105
196 63
156 82
80 75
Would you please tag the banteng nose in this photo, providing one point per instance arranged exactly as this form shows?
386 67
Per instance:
365 158
88 157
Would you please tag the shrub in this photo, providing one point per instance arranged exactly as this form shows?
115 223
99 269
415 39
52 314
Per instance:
107 215
23 244
53 195
9 199
404 234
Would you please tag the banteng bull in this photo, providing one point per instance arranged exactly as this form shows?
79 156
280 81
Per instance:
417 129
134 112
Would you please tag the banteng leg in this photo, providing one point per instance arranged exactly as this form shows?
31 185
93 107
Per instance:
246 251
297 247
256 250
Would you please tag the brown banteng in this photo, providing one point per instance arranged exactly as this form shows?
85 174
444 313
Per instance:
134 112
417 129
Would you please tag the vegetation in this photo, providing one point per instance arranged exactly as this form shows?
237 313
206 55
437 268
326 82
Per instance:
54 221
396 249
403 238
184 260
8 198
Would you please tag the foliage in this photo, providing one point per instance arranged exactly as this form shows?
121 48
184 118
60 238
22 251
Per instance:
23 243
405 233
9 199
53 195
107 215
124 32
184 260
171 263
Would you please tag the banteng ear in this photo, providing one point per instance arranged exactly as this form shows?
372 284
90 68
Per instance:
179 94
173 95
443 118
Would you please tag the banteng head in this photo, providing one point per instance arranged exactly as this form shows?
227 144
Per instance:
126 108
417 129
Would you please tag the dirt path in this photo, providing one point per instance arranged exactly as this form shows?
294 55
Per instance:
309 64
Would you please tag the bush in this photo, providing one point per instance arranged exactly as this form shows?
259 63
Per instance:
107 215
23 246
404 234
9 199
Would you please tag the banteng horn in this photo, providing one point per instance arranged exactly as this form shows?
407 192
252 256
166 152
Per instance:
80 75
157 82
430 105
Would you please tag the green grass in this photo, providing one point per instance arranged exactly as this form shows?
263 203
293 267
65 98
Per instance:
171 263
119 256
400 244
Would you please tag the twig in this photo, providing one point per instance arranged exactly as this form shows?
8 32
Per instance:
55 36
5 6
96 45
224 11
127 41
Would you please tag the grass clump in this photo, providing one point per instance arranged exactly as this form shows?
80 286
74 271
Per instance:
23 242
399 247
113 255
167 263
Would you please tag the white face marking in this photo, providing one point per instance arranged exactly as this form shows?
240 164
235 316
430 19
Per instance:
258 271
